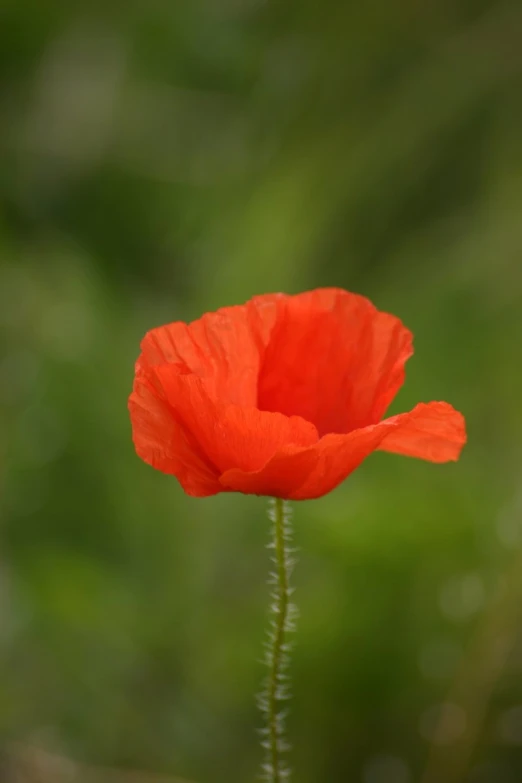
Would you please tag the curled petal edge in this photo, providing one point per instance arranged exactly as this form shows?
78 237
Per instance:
432 431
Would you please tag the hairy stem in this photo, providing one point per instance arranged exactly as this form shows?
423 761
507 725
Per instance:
277 647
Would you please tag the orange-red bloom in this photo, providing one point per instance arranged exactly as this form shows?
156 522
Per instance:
282 396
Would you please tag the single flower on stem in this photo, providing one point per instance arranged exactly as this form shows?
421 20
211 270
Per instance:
284 396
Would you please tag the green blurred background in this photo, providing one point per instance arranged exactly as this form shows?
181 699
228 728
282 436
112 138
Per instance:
160 159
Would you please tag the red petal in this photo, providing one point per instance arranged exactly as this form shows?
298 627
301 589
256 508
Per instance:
224 435
433 431
163 442
333 359
302 474
224 347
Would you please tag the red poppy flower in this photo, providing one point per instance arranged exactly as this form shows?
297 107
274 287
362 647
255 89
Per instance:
282 396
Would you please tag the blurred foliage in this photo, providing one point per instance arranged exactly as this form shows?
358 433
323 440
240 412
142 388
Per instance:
161 159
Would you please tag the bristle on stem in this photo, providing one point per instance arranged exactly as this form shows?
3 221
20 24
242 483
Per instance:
277 647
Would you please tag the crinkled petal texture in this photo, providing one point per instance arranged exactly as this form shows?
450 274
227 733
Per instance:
282 396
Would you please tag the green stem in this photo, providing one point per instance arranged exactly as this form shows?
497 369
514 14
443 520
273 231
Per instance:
277 647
